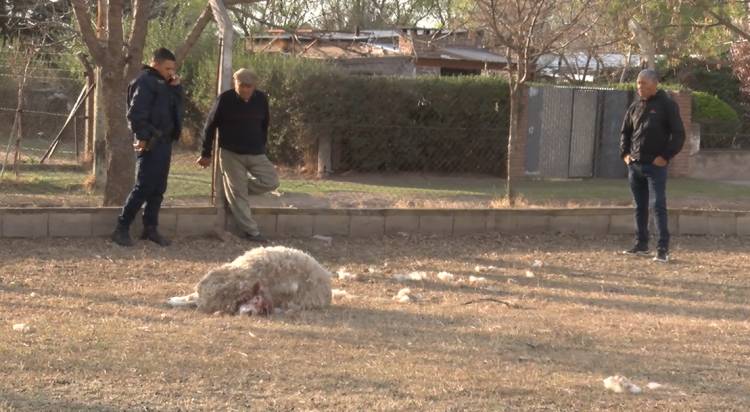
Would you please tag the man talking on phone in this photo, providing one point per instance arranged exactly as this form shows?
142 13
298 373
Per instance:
154 113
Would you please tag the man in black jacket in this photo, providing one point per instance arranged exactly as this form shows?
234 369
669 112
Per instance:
154 113
242 117
652 134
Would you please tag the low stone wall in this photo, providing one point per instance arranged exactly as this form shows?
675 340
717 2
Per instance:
191 221
720 165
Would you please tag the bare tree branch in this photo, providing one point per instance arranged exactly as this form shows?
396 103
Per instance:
87 31
729 24
101 19
116 40
138 31
205 17
195 33
257 19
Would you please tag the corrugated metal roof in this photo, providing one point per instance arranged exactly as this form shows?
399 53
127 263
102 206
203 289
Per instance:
379 34
389 47
610 60
473 54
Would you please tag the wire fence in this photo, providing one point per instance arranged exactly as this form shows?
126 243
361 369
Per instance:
48 94
426 149
429 155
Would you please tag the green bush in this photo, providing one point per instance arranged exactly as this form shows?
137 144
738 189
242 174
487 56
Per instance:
709 108
719 121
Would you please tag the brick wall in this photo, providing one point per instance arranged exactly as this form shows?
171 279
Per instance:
283 222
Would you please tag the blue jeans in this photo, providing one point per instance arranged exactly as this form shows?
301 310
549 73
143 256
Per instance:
152 170
648 183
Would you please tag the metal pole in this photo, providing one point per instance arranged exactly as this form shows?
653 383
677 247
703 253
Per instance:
214 150
226 32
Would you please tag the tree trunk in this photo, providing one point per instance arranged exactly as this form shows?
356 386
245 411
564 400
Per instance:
120 157
626 66
19 136
646 44
516 102
10 143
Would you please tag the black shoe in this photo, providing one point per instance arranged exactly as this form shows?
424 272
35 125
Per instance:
256 238
662 256
121 236
637 250
150 233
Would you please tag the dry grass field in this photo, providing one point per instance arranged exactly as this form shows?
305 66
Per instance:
528 338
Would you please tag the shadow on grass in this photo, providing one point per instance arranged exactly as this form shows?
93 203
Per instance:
88 311
40 186
678 372
52 167
38 401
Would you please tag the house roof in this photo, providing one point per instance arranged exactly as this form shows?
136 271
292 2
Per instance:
369 43
471 54
461 53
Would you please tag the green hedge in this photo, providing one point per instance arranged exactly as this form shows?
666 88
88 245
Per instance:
433 124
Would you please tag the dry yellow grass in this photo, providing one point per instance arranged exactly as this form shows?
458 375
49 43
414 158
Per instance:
104 340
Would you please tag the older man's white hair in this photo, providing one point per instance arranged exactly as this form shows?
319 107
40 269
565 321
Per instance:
649 75
246 76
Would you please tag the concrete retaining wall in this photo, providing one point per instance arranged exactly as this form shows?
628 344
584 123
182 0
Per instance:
720 165
191 221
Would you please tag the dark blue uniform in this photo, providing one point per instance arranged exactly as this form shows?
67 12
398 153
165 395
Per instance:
154 115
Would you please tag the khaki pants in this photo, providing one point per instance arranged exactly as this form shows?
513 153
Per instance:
246 175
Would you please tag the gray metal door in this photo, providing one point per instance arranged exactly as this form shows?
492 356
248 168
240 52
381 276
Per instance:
556 129
583 136
534 130
608 161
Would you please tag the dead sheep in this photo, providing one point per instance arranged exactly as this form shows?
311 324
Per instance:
262 279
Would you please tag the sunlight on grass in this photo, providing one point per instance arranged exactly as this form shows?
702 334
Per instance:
330 186
190 184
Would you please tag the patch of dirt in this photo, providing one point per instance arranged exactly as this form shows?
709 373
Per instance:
554 316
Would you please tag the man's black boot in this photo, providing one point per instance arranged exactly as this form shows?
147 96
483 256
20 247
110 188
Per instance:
121 235
150 233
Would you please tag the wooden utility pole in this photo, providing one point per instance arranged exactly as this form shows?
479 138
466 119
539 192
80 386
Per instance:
90 112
